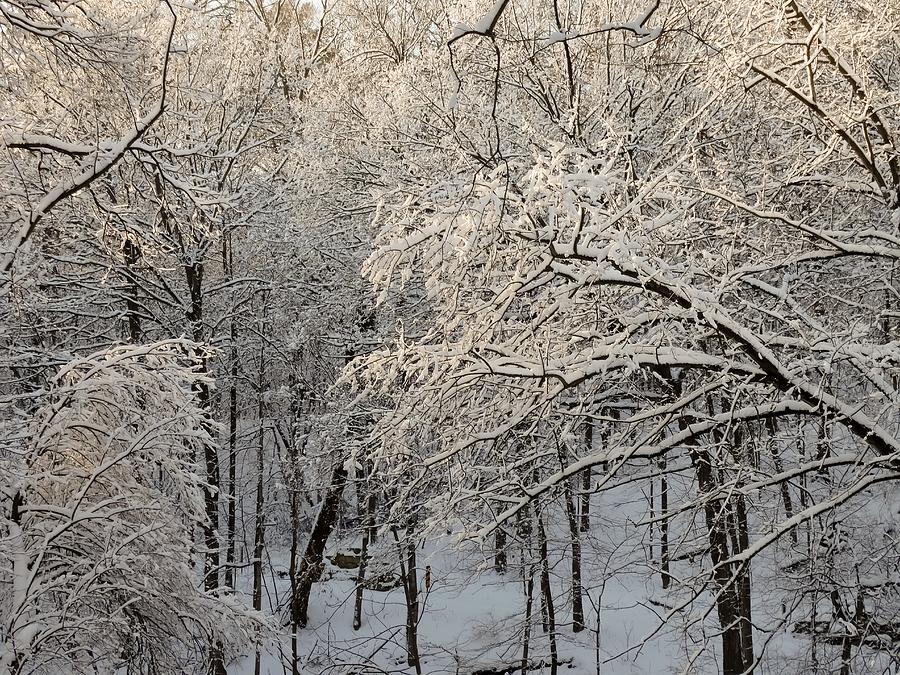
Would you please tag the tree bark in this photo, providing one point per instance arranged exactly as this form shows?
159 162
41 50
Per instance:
194 277
727 601
412 607
260 526
360 581
586 476
292 570
575 543
132 253
411 592
746 625
500 551
772 428
365 497
665 576
529 602
840 615
289 438
310 568
231 496
547 593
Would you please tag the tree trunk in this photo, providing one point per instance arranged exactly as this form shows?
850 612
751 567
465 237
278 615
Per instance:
260 526
292 570
411 592
194 278
665 577
500 551
746 609
652 501
310 568
529 602
772 428
193 275
231 497
216 660
823 447
365 497
547 593
575 542
586 479
727 602
132 253
289 438
412 607
360 581
743 453
840 616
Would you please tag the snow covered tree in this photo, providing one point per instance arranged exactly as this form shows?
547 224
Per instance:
639 212
101 496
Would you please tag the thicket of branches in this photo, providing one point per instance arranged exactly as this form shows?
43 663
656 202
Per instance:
405 264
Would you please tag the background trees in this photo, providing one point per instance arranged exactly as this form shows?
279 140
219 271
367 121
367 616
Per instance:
103 498
138 153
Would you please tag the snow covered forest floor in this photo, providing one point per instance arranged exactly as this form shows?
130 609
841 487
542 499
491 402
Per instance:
471 618
474 337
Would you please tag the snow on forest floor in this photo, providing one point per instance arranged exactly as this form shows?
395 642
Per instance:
472 618
470 621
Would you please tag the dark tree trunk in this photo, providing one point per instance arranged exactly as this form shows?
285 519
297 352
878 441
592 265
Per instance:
529 603
500 551
194 278
586 476
193 274
412 608
547 594
772 428
132 253
260 526
411 591
365 497
289 439
360 581
232 474
652 513
728 605
746 626
310 568
743 453
292 570
216 661
577 599
823 447
727 600
664 522
837 608
228 264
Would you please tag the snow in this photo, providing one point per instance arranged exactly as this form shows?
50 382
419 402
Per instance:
558 36
484 26
489 20
471 619
459 30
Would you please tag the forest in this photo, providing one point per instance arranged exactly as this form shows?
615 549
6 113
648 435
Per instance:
449 337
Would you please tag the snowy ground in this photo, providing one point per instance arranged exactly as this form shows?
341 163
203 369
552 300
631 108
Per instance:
472 618
470 621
